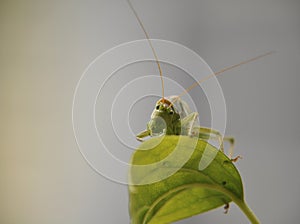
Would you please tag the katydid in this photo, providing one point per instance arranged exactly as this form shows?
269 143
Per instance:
172 116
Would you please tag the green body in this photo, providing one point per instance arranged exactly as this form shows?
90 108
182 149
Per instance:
169 119
172 116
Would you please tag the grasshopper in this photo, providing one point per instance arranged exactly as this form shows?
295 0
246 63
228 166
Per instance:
172 116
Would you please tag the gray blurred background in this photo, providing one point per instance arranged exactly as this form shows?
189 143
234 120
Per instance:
46 45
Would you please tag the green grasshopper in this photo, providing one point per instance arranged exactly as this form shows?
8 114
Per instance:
172 116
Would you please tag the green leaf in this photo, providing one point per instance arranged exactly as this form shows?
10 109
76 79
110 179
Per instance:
167 186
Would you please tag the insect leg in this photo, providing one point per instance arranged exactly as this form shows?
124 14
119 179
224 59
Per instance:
142 135
226 208
187 123
231 147
205 133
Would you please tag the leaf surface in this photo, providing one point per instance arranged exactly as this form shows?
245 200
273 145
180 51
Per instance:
174 189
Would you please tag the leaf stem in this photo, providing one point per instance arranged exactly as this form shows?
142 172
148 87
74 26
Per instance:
239 202
247 211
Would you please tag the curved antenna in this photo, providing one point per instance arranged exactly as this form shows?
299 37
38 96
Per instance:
220 72
152 48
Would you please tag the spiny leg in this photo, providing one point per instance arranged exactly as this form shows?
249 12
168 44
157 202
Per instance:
206 133
231 148
231 145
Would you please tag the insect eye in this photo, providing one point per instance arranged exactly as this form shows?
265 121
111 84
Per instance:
157 107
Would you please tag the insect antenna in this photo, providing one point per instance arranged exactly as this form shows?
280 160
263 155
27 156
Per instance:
152 48
218 73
